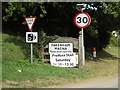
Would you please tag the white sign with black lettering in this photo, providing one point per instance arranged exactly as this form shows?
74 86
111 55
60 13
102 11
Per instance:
31 37
60 47
63 59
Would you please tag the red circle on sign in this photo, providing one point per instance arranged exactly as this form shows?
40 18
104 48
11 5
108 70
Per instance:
89 20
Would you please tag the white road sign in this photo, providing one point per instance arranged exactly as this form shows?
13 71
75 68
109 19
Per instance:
30 22
82 20
31 37
63 59
60 47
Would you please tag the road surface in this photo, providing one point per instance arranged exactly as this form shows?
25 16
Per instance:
105 82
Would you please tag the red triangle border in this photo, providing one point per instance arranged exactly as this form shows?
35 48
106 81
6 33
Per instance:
27 23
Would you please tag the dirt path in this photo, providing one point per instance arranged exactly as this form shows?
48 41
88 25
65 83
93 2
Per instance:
105 82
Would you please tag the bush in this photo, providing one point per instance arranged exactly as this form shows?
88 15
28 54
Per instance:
113 41
14 49
43 41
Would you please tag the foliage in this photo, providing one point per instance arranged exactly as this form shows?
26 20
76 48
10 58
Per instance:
13 49
56 18
18 10
104 21
43 41
114 41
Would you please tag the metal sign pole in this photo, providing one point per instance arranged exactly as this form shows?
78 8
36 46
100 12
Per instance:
31 53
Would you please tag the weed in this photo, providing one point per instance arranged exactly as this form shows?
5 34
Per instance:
13 84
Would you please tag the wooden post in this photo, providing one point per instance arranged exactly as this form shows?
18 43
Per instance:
80 58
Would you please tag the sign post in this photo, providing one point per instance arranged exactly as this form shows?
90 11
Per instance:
31 53
82 20
80 54
94 53
30 37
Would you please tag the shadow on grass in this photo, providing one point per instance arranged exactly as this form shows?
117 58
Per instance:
104 55
101 55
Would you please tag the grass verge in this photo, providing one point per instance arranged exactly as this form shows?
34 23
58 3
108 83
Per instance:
36 75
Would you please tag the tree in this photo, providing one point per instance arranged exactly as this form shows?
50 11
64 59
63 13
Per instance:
57 18
14 13
105 18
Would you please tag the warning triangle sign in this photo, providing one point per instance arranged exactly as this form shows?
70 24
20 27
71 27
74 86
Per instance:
30 22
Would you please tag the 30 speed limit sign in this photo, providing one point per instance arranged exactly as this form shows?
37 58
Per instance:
82 20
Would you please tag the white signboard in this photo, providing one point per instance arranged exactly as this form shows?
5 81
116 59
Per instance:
31 37
63 59
60 47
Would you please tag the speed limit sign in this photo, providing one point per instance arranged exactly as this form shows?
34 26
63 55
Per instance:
82 20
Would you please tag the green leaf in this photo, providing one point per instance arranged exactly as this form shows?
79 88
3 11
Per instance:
115 14
24 23
41 15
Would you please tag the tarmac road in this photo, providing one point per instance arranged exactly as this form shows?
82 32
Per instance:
105 82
